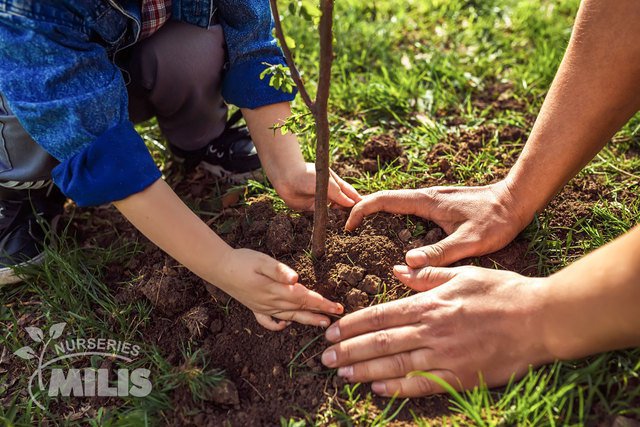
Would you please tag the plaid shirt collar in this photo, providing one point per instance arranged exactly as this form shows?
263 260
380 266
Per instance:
154 14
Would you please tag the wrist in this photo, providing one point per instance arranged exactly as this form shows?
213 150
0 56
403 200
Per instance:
512 198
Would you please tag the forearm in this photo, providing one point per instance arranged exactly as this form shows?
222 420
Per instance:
165 220
280 154
593 94
592 305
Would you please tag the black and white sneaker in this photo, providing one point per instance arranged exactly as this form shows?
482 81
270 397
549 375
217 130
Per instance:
21 234
231 156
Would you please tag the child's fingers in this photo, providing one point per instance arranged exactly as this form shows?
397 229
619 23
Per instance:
277 271
337 196
347 188
305 317
270 323
297 297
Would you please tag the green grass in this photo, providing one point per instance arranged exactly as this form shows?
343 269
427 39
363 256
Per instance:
402 68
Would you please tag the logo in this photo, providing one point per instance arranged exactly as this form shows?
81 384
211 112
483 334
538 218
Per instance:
84 381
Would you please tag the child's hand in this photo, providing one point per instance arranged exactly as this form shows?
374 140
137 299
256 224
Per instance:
298 191
269 288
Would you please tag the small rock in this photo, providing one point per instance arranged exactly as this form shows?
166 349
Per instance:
404 235
350 274
224 393
434 235
357 299
244 373
370 284
276 371
311 363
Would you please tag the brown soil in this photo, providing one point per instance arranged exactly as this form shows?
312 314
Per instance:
269 374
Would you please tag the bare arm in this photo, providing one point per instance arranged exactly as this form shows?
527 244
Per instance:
266 286
593 95
293 179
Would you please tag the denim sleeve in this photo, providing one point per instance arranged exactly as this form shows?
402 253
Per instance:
72 100
247 26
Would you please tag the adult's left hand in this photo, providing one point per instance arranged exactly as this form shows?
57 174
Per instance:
467 320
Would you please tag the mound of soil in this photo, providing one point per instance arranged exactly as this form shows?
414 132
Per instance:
279 374
381 150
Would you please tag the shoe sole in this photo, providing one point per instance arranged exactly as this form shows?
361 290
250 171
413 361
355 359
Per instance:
234 178
8 275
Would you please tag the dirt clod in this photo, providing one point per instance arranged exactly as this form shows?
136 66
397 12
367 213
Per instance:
196 321
350 274
225 393
434 235
384 148
404 235
370 284
356 299
280 235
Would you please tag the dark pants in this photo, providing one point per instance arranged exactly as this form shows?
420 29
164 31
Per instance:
175 75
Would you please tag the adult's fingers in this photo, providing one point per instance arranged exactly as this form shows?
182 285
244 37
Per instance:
402 312
297 297
387 367
277 271
346 188
425 278
375 345
410 202
269 322
452 248
415 385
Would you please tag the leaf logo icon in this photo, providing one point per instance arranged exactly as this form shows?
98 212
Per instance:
56 330
25 352
35 333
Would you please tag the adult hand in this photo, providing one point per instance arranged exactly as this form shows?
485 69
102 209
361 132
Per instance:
469 320
478 220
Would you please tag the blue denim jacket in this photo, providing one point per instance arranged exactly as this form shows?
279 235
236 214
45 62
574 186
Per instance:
58 75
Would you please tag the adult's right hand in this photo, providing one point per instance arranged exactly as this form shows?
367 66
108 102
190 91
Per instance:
477 220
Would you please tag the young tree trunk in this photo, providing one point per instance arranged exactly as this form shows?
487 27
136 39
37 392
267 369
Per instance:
320 217
319 109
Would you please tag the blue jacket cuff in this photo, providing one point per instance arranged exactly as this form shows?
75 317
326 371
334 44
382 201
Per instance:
243 87
114 166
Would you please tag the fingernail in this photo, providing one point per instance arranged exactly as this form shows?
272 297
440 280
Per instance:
345 371
333 333
417 258
339 309
379 388
324 323
329 358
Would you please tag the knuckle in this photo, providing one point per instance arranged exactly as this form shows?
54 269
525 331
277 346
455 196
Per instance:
399 364
378 316
382 342
436 253
423 386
